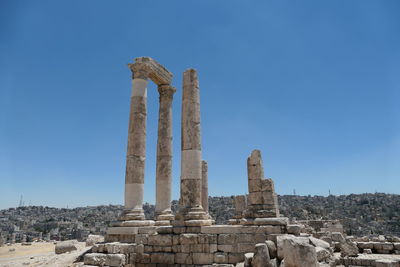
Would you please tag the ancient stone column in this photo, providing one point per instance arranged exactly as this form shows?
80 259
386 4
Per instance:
164 156
262 200
204 185
136 152
191 169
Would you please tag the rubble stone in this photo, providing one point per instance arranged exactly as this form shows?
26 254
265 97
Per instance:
65 246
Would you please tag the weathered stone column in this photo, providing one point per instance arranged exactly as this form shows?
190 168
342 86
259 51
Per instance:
262 199
191 170
136 153
164 156
204 185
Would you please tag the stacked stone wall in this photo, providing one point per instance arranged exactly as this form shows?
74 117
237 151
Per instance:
185 246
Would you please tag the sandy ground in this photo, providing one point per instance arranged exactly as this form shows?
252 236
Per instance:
39 254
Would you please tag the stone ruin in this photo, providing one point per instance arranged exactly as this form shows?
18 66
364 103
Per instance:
257 236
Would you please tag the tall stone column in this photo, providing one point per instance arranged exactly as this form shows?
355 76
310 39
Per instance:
191 169
136 152
204 185
164 156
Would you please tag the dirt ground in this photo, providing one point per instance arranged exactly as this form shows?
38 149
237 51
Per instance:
39 254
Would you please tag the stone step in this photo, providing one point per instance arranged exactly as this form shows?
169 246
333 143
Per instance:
99 259
114 248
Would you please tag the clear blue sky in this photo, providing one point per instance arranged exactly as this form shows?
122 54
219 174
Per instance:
315 85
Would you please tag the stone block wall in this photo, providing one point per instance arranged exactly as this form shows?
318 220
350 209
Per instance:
188 246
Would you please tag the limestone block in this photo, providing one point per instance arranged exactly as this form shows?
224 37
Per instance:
142 258
164 229
240 203
367 251
272 221
93 239
294 229
119 248
349 249
235 257
131 258
220 257
186 239
202 258
299 254
96 259
254 165
383 246
162 258
148 249
140 248
319 243
254 185
122 230
115 260
179 229
255 198
141 239
160 240
98 248
183 258
162 248
271 249
268 198
245 247
327 239
227 248
337 237
396 245
260 238
64 246
208 238
226 239
227 229
248 257
267 185
245 238
269 229
261 256
322 253
213 248
201 219
281 245
386 263
196 248
365 245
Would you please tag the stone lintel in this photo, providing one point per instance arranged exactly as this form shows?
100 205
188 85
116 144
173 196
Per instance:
152 69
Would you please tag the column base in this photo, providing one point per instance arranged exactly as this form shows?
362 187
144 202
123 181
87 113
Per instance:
129 215
164 219
196 216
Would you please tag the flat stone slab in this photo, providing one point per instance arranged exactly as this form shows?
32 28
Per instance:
265 221
228 229
122 230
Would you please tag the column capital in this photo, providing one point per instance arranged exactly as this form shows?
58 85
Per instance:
140 70
145 67
166 90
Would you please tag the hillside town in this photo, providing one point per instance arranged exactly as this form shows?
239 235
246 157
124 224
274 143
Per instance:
360 215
